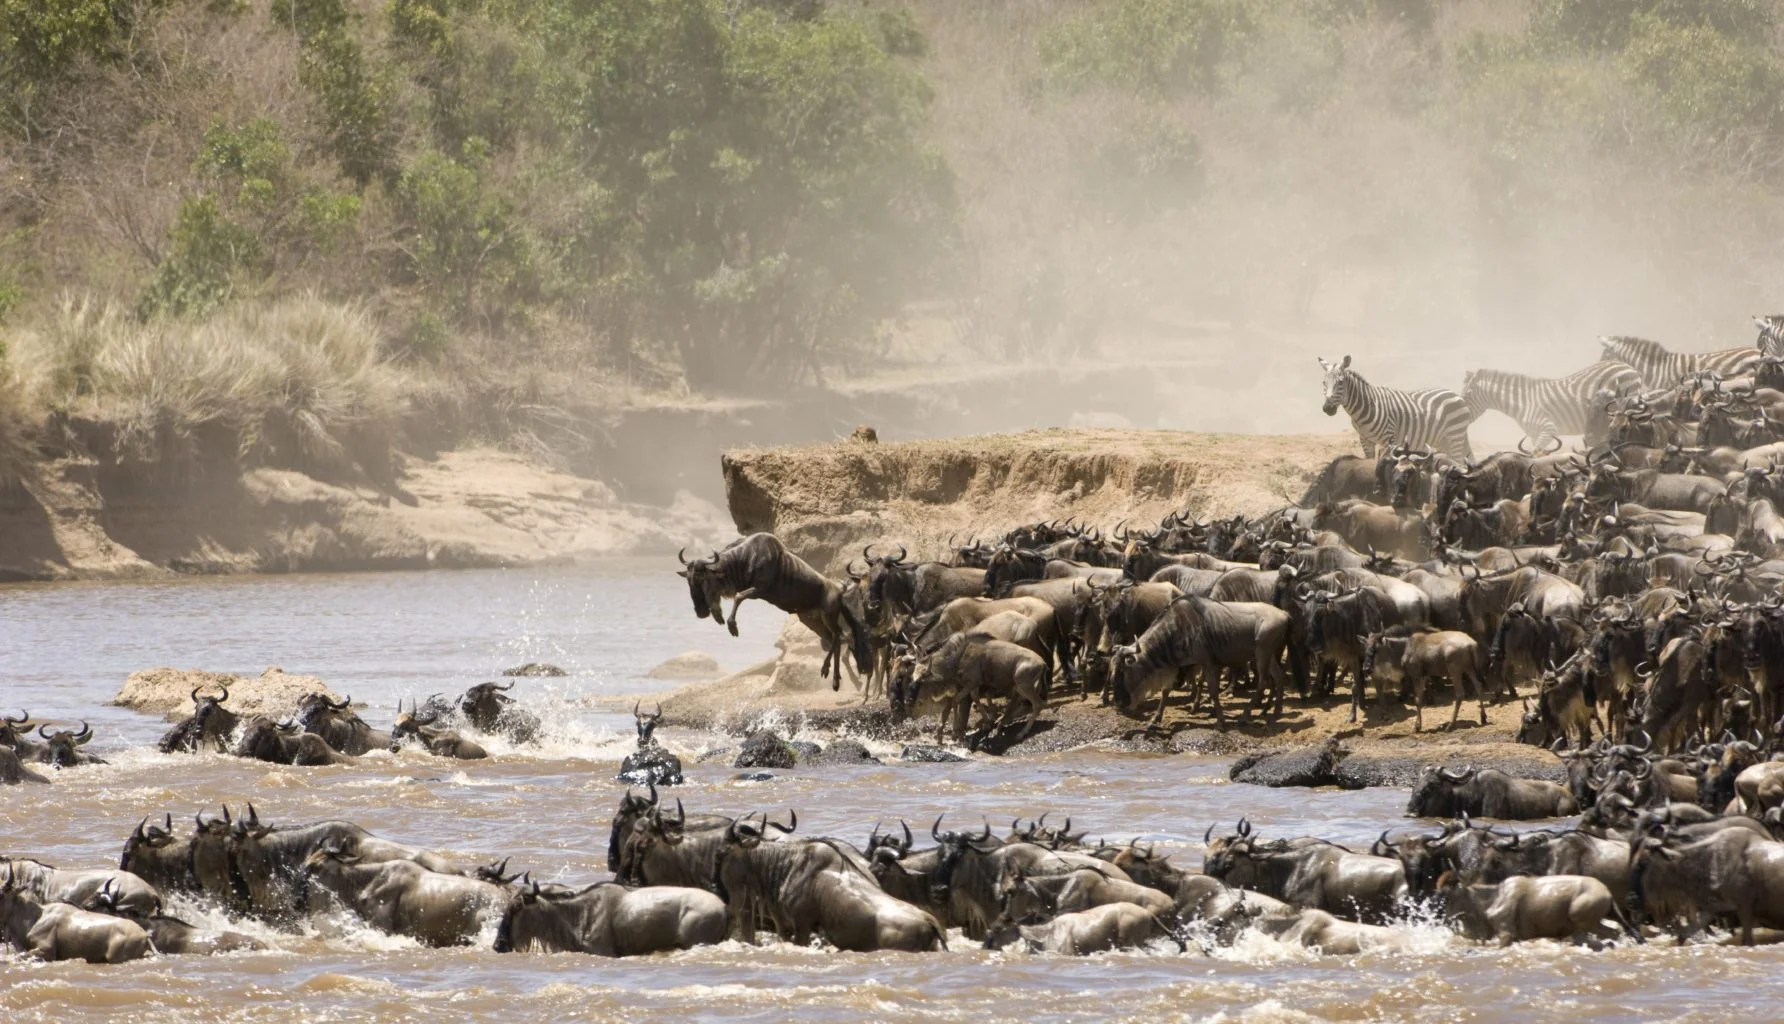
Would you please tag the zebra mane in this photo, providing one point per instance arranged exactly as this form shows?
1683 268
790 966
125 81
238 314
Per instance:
1628 343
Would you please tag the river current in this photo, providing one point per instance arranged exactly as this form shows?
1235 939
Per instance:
65 650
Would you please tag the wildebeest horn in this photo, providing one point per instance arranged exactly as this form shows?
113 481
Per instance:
81 738
18 721
867 553
1522 450
1244 827
346 702
1464 775
139 827
935 829
902 554
907 832
1208 836
792 824
682 556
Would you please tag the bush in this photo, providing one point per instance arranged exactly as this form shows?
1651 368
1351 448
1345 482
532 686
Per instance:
1611 24
1716 98
298 382
41 39
209 255
1154 47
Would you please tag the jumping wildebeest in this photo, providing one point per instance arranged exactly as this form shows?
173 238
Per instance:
760 567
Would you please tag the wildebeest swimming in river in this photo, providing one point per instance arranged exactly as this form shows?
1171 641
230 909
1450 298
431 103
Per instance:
760 567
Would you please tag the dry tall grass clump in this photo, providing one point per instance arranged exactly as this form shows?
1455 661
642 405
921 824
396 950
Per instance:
299 382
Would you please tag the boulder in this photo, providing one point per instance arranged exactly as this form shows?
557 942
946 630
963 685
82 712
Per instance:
765 750
692 665
1302 766
844 751
168 691
1364 771
651 766
535 668
924 753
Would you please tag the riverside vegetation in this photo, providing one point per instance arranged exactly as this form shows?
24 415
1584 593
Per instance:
298 232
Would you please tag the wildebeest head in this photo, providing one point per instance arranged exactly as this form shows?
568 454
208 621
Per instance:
14 730
145 838
646 722
1435 794
483 704
955 845
313 709
64 745
704 586
409 724
879 571
1336 385
887 846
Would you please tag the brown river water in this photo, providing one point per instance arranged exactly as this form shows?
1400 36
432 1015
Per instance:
64 650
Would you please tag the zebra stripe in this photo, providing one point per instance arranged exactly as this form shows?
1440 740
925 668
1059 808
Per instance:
1771 334
1433 418
1547 407
1661 368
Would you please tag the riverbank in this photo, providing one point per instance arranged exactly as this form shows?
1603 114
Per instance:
74 518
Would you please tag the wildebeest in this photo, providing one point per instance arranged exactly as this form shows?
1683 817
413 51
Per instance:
266 740
1414 658
1320 930
418 725
608 919
266 862
817 887
1317 875
48 884
13 771
969 668
1487 793
170 934
337 724
1027 900
1096 930
56 930
211 726
403 898
1732 871
760 567
489 709
15 735
1210 636
62 748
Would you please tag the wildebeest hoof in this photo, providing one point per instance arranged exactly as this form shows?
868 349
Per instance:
732 626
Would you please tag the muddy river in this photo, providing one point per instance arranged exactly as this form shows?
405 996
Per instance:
64 651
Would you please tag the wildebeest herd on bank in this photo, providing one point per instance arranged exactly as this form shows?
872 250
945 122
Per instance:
1625 594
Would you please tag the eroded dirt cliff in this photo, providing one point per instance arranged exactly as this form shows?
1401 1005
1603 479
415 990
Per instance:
826 501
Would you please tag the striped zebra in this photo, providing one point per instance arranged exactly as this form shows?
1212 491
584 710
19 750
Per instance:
1771 334
1547 407
1661 368
1434 418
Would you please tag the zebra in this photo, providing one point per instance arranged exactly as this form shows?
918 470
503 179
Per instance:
1771 334
1661 368
1434 418
1547 407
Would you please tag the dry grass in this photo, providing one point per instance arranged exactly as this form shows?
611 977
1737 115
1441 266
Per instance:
297 381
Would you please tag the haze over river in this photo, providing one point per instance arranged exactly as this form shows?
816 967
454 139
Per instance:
67 648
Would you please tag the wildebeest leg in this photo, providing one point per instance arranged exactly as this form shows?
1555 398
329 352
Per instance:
1211 683
1158 718
742 596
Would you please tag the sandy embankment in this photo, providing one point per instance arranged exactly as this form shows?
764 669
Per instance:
471 509
826 501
